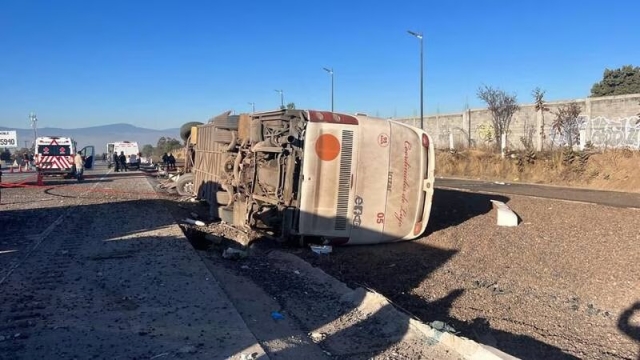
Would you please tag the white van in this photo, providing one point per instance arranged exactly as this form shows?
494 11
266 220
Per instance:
130 150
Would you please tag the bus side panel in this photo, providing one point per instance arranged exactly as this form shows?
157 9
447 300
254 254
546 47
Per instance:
372 176
406 175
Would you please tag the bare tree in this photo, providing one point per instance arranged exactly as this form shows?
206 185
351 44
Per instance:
541 106
502 107
566 123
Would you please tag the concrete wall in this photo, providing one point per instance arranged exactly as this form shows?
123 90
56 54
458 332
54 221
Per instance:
609 121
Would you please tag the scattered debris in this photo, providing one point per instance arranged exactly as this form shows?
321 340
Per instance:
194 215
499 183
297 272
505 216
251 356
317 336
2 338
324 249
277 316
442 326
194 222
231 253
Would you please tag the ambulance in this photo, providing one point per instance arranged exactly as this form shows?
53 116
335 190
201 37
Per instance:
54 156
130 150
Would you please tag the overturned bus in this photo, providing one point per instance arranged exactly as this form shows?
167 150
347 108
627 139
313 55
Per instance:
299 174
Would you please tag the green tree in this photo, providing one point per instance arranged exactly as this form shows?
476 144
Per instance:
502 106
147 150
290 106
167 145
621 81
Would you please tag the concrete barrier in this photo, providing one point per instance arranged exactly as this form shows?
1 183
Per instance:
505 216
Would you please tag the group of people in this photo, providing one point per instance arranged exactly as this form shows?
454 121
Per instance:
169 161
121 162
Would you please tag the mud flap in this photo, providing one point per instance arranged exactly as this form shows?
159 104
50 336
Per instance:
286 226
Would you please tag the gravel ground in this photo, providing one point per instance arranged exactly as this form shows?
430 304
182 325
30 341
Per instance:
317 322
555 287
552 288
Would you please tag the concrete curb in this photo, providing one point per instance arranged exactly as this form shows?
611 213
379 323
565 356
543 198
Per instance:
369 302
505 216
560 187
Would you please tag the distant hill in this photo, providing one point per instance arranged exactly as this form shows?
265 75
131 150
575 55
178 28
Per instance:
99 136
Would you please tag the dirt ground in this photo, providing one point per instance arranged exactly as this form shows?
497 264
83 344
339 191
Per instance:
604 170
558 286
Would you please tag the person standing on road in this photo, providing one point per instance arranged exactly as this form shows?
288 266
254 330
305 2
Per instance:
172 162
79 163
165 161
116 162
123 161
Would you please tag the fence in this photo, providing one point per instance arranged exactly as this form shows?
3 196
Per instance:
610 121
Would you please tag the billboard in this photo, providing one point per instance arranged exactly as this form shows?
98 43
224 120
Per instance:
8 139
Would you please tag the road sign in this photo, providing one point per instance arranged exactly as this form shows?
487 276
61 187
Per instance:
8 139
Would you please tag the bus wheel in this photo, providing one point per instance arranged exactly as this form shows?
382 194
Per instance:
185 185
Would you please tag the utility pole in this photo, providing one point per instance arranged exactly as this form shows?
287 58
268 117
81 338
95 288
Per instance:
281 98
420 37
34 125
253 107
330 71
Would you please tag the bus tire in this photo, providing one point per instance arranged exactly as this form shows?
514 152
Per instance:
185 130
185 185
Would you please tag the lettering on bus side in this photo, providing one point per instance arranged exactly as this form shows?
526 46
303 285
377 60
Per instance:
400 215
358 208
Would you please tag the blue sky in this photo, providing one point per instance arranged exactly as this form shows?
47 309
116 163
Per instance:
158 64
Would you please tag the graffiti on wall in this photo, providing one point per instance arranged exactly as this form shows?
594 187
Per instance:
604 132
486 132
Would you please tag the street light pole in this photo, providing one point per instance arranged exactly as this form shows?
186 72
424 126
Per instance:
34 121
281 97
253 107
419 36
330 71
